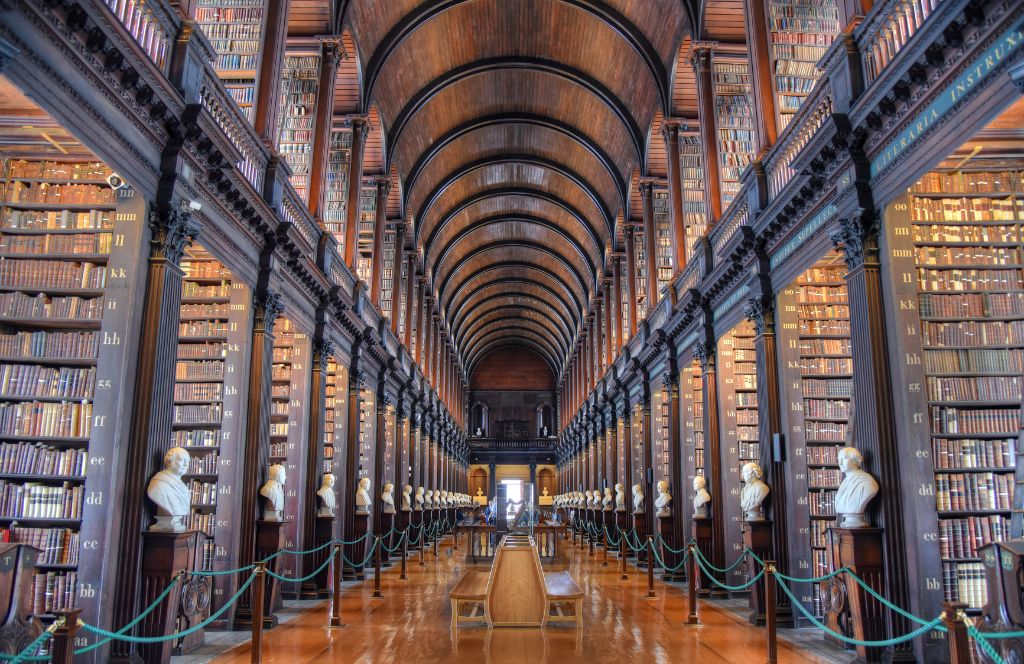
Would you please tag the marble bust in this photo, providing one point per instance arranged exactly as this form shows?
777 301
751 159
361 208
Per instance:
545 492
273 492
419 500
586 498
701 497
326 495
638 499
445 496
663 500
428 499
172 497
620 497
595 499
754 493
363 496
608 499
857 489
387 497
478 432
406 498
479 492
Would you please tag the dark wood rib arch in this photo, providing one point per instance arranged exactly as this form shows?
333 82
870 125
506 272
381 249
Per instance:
603 11
510 342
485 317
510 299
511 332
529 268
519 324
535 64
539 162
456 311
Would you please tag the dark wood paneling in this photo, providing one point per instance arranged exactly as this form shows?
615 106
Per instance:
512 369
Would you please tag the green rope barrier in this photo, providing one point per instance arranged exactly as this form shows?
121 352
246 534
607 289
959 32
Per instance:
924 629
300 579
25 656
665 545
366 560
999 635
874 593
724 586
239 570
396 547
813 579
613 544
179 635
303 553
658 559
750 552
133 623
723 570
982 641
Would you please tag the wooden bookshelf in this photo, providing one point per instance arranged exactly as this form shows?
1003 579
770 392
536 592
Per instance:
641 273
663 237
387 272
234 28
636 474
212 331
815 350
289 429
367 435
367 221
691 392
68 258
695 209
734 120
300 77
738 412
336 188
661 462
801 31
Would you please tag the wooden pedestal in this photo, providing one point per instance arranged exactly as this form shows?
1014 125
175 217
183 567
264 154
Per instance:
320 585
357 552
387 522
640 527
860 549
163 555
701 532
1004 610
415 531
757 536
270 540
667 531
17 569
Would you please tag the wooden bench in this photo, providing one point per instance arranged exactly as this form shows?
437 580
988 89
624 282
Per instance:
470 593
561 590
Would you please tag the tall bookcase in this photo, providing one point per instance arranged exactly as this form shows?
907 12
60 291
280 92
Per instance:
695 209
734 122
624 301
641 273
300 77
212 336
336 189
367 220
389 452
367 436
814 318
387 272
289 427
660 440
801 32
955 242
636 473
663 230
691 393
68 273
738 412
234 28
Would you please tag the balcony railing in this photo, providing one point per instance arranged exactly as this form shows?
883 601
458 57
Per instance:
511 444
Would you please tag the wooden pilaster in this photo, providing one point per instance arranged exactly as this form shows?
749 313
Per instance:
650 242
629 233
759 52
701 59
410 298
360 128
268 77
396 279
670 131
382 184
330 56
705 354
322 350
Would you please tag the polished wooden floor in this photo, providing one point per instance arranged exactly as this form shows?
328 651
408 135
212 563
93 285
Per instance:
411 624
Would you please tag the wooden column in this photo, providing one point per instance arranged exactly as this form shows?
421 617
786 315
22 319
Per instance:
171 230
599 358
421 325
348 496
704 352
382 184
627 460
360 128
401 474
613 448
330 56
851 12
256 456
648 456
268 76
617 301
650 242
380 443
759 53
396 279
410 299
874 416
629 233
322 350
670 132
701 60
677 473
609 353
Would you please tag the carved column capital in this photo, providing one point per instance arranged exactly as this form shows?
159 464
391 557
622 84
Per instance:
762 313
858 235
171 232
705 355
321 353
268 307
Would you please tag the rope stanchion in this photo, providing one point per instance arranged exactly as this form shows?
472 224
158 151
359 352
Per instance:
650 568
770 618
622 559
693 619
26 654
335 620
302 579
62 647
376 568
258 608
724 586
955 621
405 554
706 564
604 563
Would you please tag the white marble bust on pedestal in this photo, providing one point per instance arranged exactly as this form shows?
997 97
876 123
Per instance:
754 493
326 495
663 500
172 497
363 500
387 498
608 499
620 497
857 489
273 492
638 499
701 497
406 498
444 499
419 500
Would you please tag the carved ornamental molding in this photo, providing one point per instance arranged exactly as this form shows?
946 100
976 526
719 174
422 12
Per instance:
171 232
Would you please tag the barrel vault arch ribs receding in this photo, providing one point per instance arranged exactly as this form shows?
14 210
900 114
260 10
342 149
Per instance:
489 303
508 310
477 296
513 341
506 337
604 12
511 322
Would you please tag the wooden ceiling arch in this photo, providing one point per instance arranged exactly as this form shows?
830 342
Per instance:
524 318
518 270
503 337
502 307
511 342
517 324
469 295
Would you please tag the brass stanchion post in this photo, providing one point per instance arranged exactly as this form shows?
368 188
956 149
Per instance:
622 556
405 554
62 643
954 618
336 587
604 563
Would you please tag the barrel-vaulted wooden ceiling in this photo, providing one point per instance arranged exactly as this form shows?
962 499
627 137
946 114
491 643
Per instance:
515 128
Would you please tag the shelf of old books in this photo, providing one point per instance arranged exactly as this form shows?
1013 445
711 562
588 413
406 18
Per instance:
212 333
695 209
367 221
737 389
336 187
300 78
367 435
636 474
387 272
815 349
660 439
69 247
801 32
389 451
957 236
641 271
623 321
691 396
663 237
234 28
734 121
622 472
289 426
